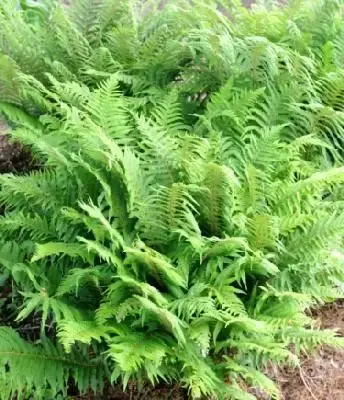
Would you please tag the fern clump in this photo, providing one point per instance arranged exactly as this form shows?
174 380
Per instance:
188 211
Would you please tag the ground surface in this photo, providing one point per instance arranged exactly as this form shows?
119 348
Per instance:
321 377
13 158
323 373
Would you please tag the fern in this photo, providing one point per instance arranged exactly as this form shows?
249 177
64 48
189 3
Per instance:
188 206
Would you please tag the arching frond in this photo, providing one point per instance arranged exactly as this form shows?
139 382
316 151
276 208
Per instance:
50 364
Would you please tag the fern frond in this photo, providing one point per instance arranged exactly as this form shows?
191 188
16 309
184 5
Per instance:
305 339
156 263
52 367
217 201
167 211
71 332
253 377
133 352
306 245
56 248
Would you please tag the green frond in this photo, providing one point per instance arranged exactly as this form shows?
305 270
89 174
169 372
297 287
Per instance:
41 301
16 115
77 278
191 306
70 42
156 264
252 376
158 149
71 332
108 310
215 204
306 339
322 233
84 16
21 224
9 88
168 115
228 298
16 35
263 231
52 367
36 190
251 195
167 211
134 352
109 110
200 333
261 351
200 377
56 248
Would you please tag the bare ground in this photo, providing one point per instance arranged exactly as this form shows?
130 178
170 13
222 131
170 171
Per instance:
13 157
320 377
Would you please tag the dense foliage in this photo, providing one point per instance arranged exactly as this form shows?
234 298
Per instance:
187 209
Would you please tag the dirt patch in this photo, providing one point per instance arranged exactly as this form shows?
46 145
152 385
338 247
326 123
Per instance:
320 377
13 156
161 392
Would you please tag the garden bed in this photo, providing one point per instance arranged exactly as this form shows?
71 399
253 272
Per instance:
187 212
320 377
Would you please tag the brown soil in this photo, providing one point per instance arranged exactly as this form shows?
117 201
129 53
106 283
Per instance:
163 392
320 377
13 157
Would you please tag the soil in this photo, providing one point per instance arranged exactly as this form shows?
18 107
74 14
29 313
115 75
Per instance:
13 156
320 377
162 392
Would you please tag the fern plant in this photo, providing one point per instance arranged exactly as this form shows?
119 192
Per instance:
188 211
